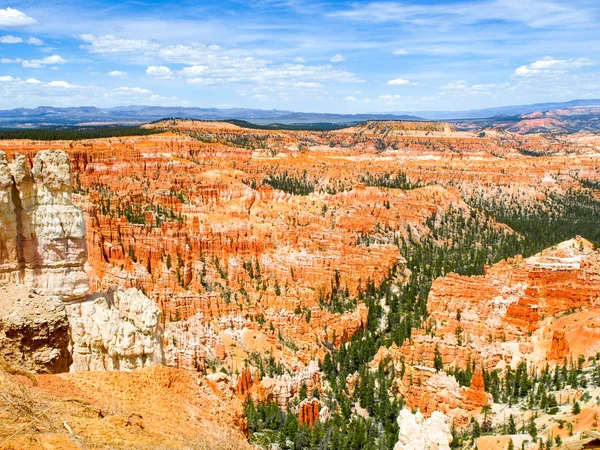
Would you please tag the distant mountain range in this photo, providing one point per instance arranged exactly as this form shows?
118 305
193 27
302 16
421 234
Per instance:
88 115
47 116
502 110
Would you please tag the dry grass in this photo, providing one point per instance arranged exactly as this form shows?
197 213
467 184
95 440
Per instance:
23 411
12 370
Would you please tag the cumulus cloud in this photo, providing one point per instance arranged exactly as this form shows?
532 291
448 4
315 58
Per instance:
31 92
62 85
159 72
400 52
248 70
13 18
111 44
193 71
398 82
211 65
136 89
8 39
461 87
338 58
36 63
551 66
303 84
117 74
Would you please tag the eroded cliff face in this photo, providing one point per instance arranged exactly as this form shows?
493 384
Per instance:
42 233
117 331
540 310
53 323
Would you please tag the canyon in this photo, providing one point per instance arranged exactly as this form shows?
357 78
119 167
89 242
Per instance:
218 267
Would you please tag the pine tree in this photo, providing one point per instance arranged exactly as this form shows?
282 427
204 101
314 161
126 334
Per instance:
512 426
438 362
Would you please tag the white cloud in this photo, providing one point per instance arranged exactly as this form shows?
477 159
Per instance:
248 70
12 18
400 52
17 92
303 84
159 72
210 65
8 39
39 63
350 99
62 85
111 44
461 87
35 63
533 13
204 81
338 58
549 66
398 82
117 74
193 71
136 89
300 60
54 59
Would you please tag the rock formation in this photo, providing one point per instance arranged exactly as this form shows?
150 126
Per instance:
188 344
34 331
417 433
42 257
308 412
117 331
43 235
244 383
559 349
476 395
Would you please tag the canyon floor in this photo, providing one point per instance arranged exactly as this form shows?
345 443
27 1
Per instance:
312 285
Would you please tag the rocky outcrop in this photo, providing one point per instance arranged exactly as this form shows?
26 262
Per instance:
417 433
476 395
118 331
42 256
559 349
244 383
34 331
188 344
513 310
43 234
308 412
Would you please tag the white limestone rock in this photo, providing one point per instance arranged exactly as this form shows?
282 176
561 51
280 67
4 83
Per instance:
42 234
118 331
417 433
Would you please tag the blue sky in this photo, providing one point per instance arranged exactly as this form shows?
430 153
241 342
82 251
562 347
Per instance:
326 56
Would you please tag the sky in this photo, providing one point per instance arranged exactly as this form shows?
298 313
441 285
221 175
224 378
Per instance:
320 56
